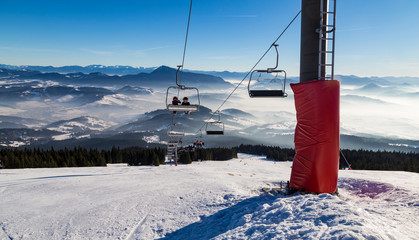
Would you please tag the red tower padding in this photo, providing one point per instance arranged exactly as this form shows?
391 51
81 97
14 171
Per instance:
316 162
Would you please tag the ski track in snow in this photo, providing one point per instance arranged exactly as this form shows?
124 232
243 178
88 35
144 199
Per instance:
137 227
3 233
205 200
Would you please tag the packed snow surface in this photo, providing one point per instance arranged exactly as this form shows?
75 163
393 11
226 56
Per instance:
204 200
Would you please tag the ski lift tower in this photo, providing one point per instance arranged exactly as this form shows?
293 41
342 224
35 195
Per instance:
316 162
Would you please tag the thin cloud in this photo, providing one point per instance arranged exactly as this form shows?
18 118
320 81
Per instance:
353 29
97 52
143 51
243 16
154 48
30 49
122 51
223 57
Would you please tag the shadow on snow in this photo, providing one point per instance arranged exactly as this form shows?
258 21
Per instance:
222 221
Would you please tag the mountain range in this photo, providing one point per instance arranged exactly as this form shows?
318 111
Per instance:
150 130
156 78
51 109
113 70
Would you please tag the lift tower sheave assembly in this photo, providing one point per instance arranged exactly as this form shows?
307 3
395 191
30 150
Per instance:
316 162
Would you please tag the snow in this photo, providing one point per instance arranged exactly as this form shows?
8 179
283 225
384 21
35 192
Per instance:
62 137
83 136
88 123
65 98
402 145
163 127
15 144
116 165
114 99
152 139
204 200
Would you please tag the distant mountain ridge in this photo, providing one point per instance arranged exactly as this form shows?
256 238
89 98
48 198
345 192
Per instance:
113 70
130 70
52 96
92 132
160 76
10 93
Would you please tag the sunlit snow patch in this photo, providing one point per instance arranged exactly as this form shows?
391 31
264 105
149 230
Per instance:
14 144
62 137
152 139
402 145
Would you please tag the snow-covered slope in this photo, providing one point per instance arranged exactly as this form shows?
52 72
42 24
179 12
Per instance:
80 127
205 200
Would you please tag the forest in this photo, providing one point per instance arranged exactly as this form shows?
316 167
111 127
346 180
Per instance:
136 156
214 154
358 159
82 157
381 160
79 157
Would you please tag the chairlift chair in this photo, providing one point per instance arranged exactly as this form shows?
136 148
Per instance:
272 75
198 144
171 146
175 130
173 143
215 127
175 134
172 149
179 88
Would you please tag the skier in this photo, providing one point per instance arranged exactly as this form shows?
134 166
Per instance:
186 102
198 144
175 101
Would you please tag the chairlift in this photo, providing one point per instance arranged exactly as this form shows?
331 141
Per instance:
170 147
198 143
172 150
182 88
215 127
270 75
176 131
174 142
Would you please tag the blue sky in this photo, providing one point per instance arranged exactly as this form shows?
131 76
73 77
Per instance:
374 37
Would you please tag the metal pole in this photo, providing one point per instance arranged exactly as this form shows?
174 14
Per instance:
310 27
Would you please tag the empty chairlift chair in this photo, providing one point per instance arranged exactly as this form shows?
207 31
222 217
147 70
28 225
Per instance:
268 82
215 127
172 150
176 131
179 89
172 145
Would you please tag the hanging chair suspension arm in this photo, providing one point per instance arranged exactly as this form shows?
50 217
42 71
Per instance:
251 70
178 80
277 58
186 42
